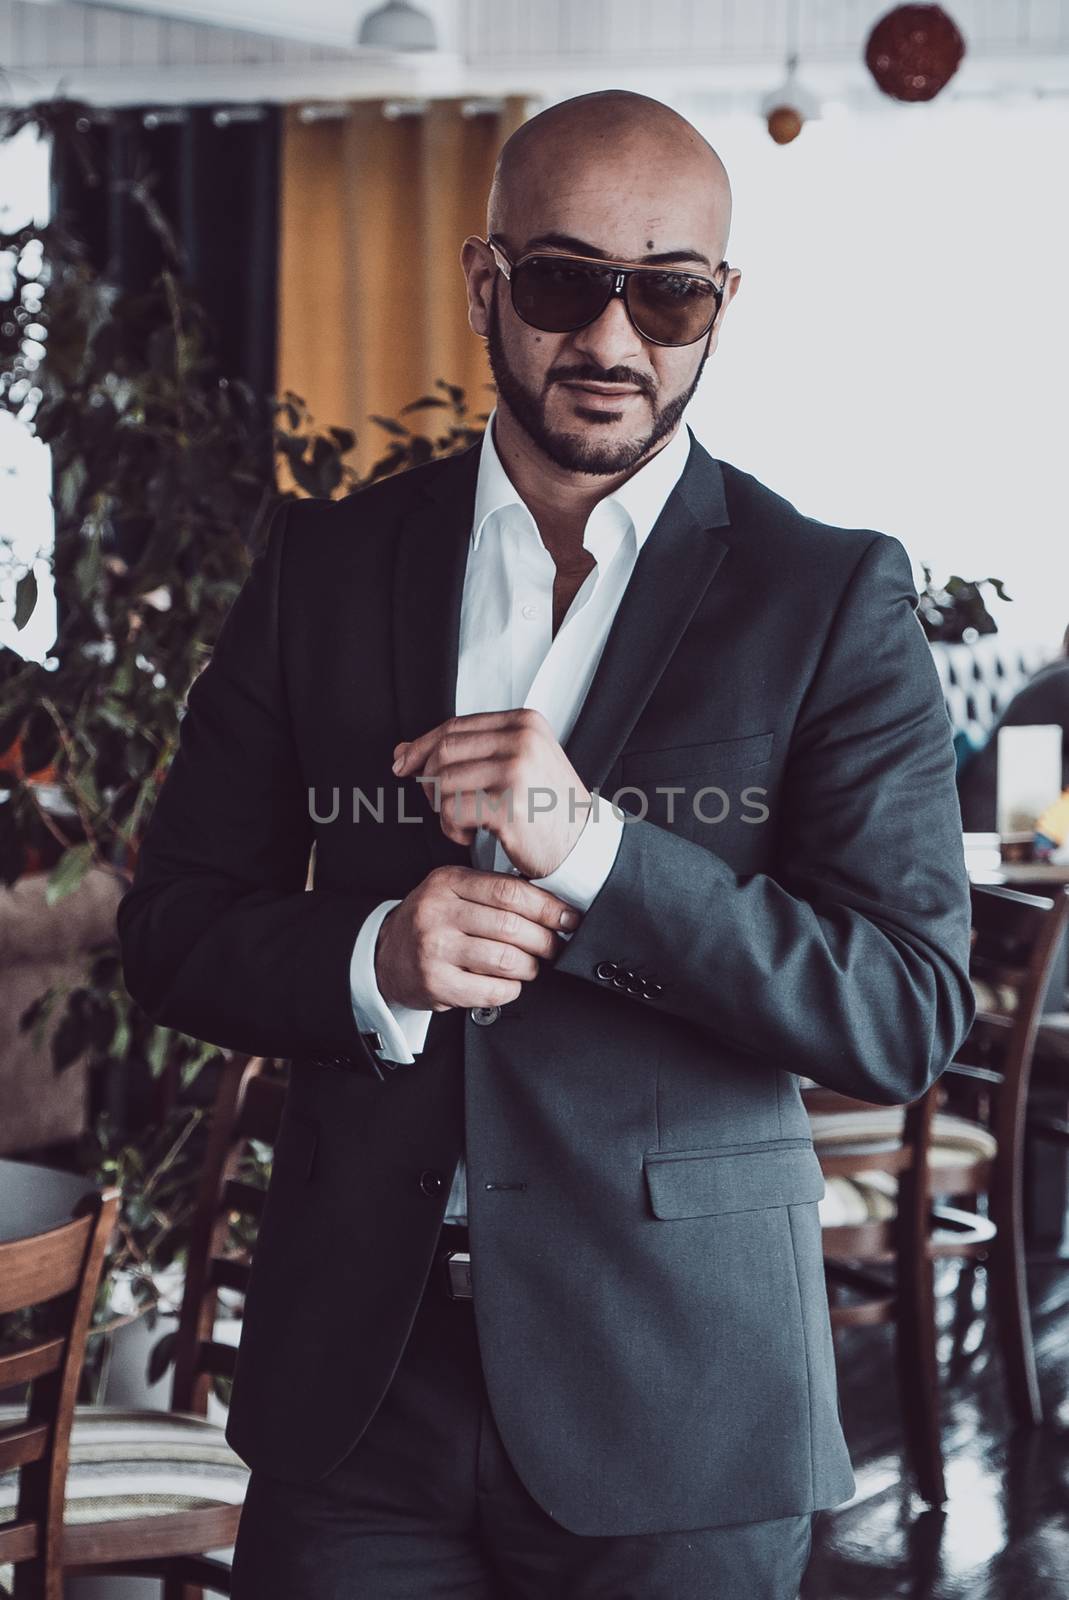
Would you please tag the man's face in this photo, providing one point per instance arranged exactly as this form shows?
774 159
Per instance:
540 376
580 429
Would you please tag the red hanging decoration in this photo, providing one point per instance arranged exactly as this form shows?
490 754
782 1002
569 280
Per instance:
914 51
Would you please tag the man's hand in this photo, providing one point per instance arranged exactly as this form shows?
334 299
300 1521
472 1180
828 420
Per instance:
506 772
467 938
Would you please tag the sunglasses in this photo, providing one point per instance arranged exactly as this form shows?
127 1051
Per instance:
562 293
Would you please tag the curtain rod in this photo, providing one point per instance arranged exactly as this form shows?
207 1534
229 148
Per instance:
316 111
327 110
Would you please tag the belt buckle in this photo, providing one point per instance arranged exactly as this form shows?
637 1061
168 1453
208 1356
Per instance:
457 1264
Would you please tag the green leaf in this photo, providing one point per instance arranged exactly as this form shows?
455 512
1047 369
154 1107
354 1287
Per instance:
397 428
161 1355
158 1048
88 570
71 1039
87 788
121 1041
423 403
113 712
68 872
71 486
25 598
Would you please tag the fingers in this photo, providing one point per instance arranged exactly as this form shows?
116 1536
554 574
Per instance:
508 929
492 959
466 989
468 938
504 892
456 732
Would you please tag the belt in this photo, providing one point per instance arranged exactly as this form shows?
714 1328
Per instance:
451 1272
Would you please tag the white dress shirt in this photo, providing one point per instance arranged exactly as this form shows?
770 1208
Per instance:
509 657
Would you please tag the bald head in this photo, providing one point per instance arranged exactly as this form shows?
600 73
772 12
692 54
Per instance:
622 178
599 148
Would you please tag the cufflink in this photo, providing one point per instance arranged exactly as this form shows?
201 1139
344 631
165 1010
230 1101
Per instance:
373 1061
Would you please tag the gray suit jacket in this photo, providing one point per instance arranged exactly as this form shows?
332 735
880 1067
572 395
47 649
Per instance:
649 1289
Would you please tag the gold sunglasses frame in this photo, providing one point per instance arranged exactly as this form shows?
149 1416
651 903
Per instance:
624 271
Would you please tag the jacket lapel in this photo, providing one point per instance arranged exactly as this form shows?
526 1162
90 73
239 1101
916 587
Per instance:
675 567
432 556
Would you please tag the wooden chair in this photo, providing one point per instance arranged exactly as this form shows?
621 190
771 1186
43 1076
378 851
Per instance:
867 1153
59 1272
165 1526
881 1226
1016 940
1051 1071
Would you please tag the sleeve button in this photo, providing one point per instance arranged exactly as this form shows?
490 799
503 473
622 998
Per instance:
485 1015
606 969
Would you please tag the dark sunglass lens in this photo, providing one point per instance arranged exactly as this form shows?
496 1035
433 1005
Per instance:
558 296
671 307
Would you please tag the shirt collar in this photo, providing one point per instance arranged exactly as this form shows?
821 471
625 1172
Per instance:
641 497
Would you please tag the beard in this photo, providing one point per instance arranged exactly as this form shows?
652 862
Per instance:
582 451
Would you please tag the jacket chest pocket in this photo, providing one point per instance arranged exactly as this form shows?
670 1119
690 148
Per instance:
704 791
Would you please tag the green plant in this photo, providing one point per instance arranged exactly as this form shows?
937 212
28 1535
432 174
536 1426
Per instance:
161 499
956 610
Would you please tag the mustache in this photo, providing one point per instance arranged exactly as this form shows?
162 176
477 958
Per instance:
637 380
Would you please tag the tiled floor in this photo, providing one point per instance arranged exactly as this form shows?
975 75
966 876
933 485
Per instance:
1004 1534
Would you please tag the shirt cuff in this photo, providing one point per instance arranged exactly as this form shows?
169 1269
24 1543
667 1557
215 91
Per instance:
589 861
403 1029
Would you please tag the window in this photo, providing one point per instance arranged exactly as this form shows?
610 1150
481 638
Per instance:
898 353
26 524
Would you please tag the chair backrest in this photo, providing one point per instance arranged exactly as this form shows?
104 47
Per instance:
980 678
247 1106
57 1273
854 1139
1015 940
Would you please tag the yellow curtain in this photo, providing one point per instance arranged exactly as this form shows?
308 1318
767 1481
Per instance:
372 307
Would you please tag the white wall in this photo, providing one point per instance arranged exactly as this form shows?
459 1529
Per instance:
898 354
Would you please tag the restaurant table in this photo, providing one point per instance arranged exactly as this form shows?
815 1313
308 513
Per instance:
1046 1194
998 861
1020 874
34 1199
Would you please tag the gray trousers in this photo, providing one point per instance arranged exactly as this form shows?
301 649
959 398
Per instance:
427 1506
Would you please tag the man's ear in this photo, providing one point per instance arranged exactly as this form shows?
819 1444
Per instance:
731 286
480 269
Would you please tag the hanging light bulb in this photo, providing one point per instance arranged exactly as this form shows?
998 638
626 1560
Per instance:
787 109
398 25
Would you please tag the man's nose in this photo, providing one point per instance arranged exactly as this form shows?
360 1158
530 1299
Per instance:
611 340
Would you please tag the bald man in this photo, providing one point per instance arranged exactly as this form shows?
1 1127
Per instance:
632 797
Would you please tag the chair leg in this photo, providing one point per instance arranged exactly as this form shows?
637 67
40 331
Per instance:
1013 1323
964 1315
918 1379
175 1589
